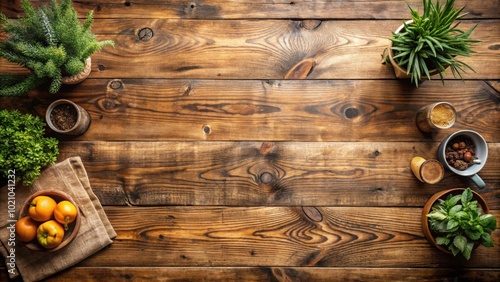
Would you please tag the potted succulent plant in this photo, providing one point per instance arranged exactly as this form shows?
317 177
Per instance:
24 150
430 43
458 220
51 43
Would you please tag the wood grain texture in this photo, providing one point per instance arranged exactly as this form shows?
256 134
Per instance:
276 237
262 49
280 274
271 110
229 9
262 274
281 174
212 166
495 84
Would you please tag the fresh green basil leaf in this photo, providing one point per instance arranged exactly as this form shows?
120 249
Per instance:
478 228
452 201
452 224
488 221
454 210
441 227
466 196
473 235
461 215
486 240
454 250
468 250
460 242
442 241
436 215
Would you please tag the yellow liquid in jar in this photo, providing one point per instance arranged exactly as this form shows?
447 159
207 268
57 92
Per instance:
442 115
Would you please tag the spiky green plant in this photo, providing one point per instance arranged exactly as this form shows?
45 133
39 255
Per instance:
50 41
433 41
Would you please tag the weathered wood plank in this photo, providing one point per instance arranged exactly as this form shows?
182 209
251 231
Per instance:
267 49
495 84
274 180
276 237
262 49
281 110
230 9
262 274
273 174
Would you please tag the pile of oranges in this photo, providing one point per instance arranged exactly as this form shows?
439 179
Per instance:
46 222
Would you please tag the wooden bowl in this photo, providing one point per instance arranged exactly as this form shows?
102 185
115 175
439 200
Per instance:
73 227
429 234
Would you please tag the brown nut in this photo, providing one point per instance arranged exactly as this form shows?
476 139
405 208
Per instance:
467 157
460 165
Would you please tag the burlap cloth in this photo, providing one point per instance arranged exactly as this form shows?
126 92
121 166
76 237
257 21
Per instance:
95 231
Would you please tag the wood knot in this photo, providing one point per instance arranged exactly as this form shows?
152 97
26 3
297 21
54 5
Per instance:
494 47
351 113
266 177
115 84
186 90
375 154
145 34
206 129
266 147
313 213
301 70
285 274
109 105
310 24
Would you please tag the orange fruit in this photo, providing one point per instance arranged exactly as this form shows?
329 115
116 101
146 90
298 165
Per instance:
65 213
42 208
26 229
50 234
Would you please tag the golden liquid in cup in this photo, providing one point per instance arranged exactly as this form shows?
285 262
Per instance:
442 115
431 171
435 116
428 171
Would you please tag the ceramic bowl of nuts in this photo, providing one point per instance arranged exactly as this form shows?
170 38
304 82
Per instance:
464 153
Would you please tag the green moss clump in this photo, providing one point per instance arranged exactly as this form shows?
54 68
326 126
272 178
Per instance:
23 146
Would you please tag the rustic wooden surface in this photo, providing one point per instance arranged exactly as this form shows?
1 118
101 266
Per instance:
265 141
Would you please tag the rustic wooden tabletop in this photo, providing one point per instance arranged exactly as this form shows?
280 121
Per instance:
212 164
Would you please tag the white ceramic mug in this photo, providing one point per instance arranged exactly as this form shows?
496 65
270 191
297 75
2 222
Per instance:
480 150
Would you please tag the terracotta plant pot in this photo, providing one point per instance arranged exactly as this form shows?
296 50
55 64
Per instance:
442 195
399 71
77 78
73 227
66 117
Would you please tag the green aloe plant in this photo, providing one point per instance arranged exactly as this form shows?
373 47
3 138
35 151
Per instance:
433 41
49 41
459 223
